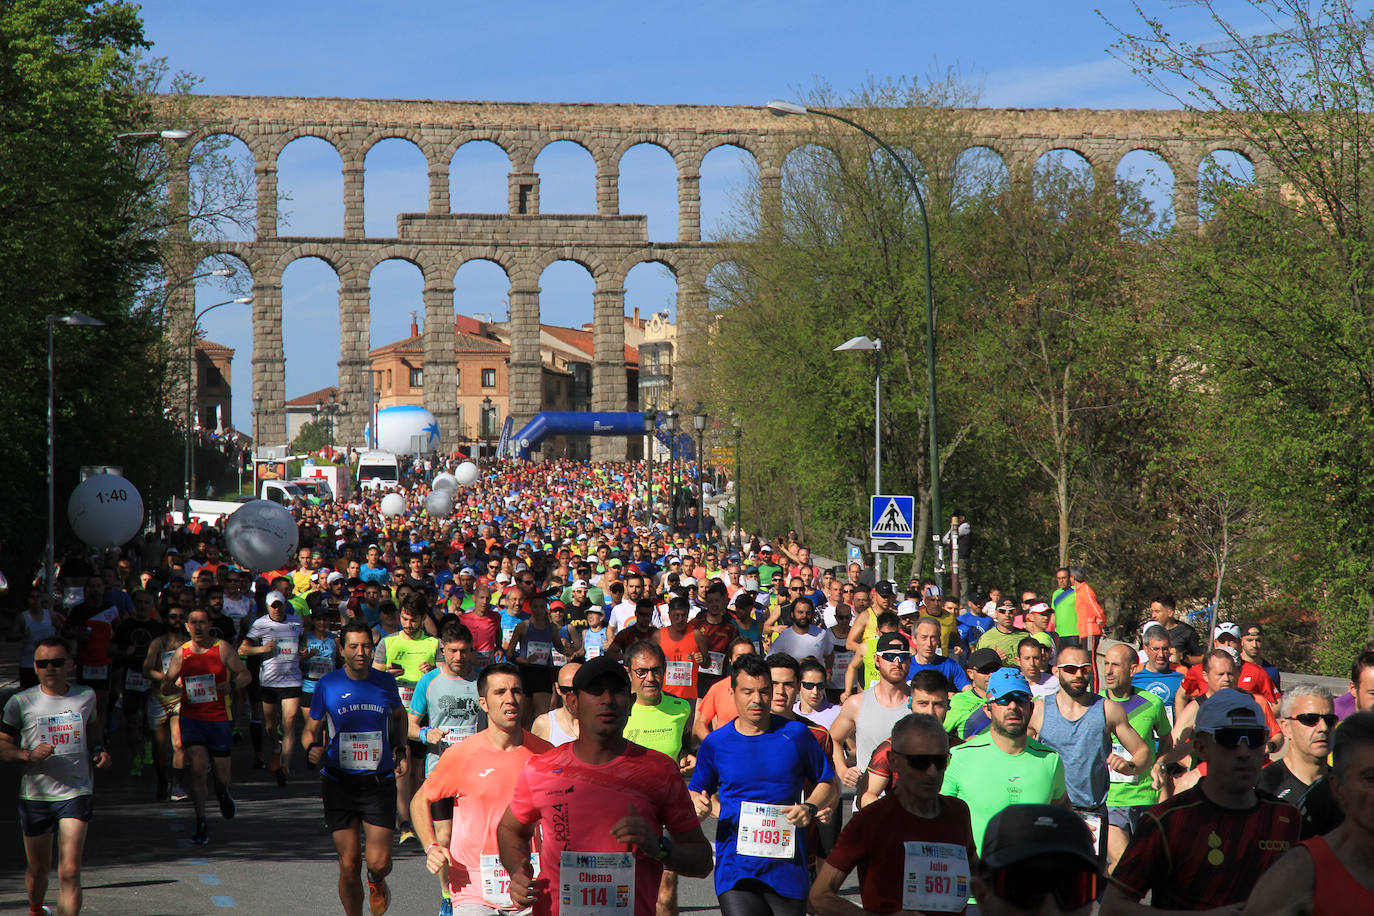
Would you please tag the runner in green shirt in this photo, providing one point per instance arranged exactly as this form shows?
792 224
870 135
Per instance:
967 714
1129 797
767 568
658 720
1062 602
1003 637
1004 766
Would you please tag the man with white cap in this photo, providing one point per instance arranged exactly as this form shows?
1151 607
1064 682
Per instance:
1251 677
1207 846
276 636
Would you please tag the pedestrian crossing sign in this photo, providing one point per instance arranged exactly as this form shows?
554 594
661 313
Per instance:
892 518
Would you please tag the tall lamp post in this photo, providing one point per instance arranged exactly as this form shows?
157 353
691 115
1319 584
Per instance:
791 108
738 424
73 320
486 426
672 468
188 459
865 343
650 426
699 421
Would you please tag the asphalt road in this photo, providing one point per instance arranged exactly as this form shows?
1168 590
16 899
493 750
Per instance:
274 857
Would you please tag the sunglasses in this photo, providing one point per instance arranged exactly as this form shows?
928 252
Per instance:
566 691
1231 738
812 685
1312 718
924 761
1024 885
1075 669
49 662
600 690
1009 698
895 658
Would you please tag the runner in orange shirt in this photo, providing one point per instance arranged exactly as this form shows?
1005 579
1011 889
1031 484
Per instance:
468 791
684 649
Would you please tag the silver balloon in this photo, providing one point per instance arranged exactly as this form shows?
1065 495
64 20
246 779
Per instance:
445 481
261 535
439 503
393 504
467 473
105 510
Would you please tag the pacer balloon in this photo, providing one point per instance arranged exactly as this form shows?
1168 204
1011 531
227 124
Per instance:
105 510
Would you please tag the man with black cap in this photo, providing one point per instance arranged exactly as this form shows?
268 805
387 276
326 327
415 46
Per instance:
967 716
1036 859
605 804
882 597
1207 846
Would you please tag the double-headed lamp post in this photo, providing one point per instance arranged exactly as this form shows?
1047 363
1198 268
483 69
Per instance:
780 107
73 320
650 427
699 422
188 459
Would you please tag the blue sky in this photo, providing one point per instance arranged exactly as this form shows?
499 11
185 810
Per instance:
1030 53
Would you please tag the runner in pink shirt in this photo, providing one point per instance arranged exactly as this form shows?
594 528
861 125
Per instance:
604 804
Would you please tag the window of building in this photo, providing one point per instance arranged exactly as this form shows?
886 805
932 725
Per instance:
417 377
213 377
488 378
457 378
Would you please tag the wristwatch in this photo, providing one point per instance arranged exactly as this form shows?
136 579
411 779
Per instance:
813 808
665 849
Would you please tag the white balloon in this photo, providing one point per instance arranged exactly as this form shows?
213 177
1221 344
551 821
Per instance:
261 535
393 504
467 474
439 503
105 510
445 481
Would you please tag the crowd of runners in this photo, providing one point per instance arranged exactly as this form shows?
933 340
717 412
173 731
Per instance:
551 697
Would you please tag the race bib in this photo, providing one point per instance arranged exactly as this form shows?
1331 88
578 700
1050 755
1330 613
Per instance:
65 732
593 651
506 634
765 832
559 659
679 674
935 877
360 752
407 691
496 881
715 663
167 658
319 666
482 659
842 660
1094 823
455 733
538 653
95 672
200 688
1113 775
287 649
596 884
135 682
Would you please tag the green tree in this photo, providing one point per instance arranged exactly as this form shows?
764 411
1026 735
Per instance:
311 438
1274 296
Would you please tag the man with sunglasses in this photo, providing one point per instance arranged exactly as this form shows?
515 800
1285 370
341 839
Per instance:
1005 766
1003 638
604 803
912 830
1208 845
813 701
1307 718
1083 728
54 730
1036 859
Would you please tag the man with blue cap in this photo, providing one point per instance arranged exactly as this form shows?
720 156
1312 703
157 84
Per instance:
1004 765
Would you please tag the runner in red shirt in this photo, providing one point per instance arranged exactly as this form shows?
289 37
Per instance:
604 803
684 649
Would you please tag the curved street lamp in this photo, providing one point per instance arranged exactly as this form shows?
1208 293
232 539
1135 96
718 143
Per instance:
779 107
72 320
699 422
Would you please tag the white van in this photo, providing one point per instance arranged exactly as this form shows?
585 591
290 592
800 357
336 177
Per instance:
378 466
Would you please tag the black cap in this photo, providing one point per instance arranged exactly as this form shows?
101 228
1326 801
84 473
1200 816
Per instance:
600 668
1255 625
886 589
1020 832
892 642
984 658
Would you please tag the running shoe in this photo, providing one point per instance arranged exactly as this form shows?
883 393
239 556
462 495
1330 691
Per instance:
406 834
226 805
202 834
178 794
446 908
378 895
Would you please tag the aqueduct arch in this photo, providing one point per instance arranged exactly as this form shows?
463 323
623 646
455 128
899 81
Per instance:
523 239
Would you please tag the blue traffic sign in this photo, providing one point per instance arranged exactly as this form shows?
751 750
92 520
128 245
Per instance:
892 518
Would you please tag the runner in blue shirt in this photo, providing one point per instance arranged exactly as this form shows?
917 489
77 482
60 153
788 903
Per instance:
1159 676
761 855
364 752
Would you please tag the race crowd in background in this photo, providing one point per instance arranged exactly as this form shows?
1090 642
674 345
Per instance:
550 693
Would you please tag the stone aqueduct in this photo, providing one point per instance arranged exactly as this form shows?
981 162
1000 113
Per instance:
608 244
